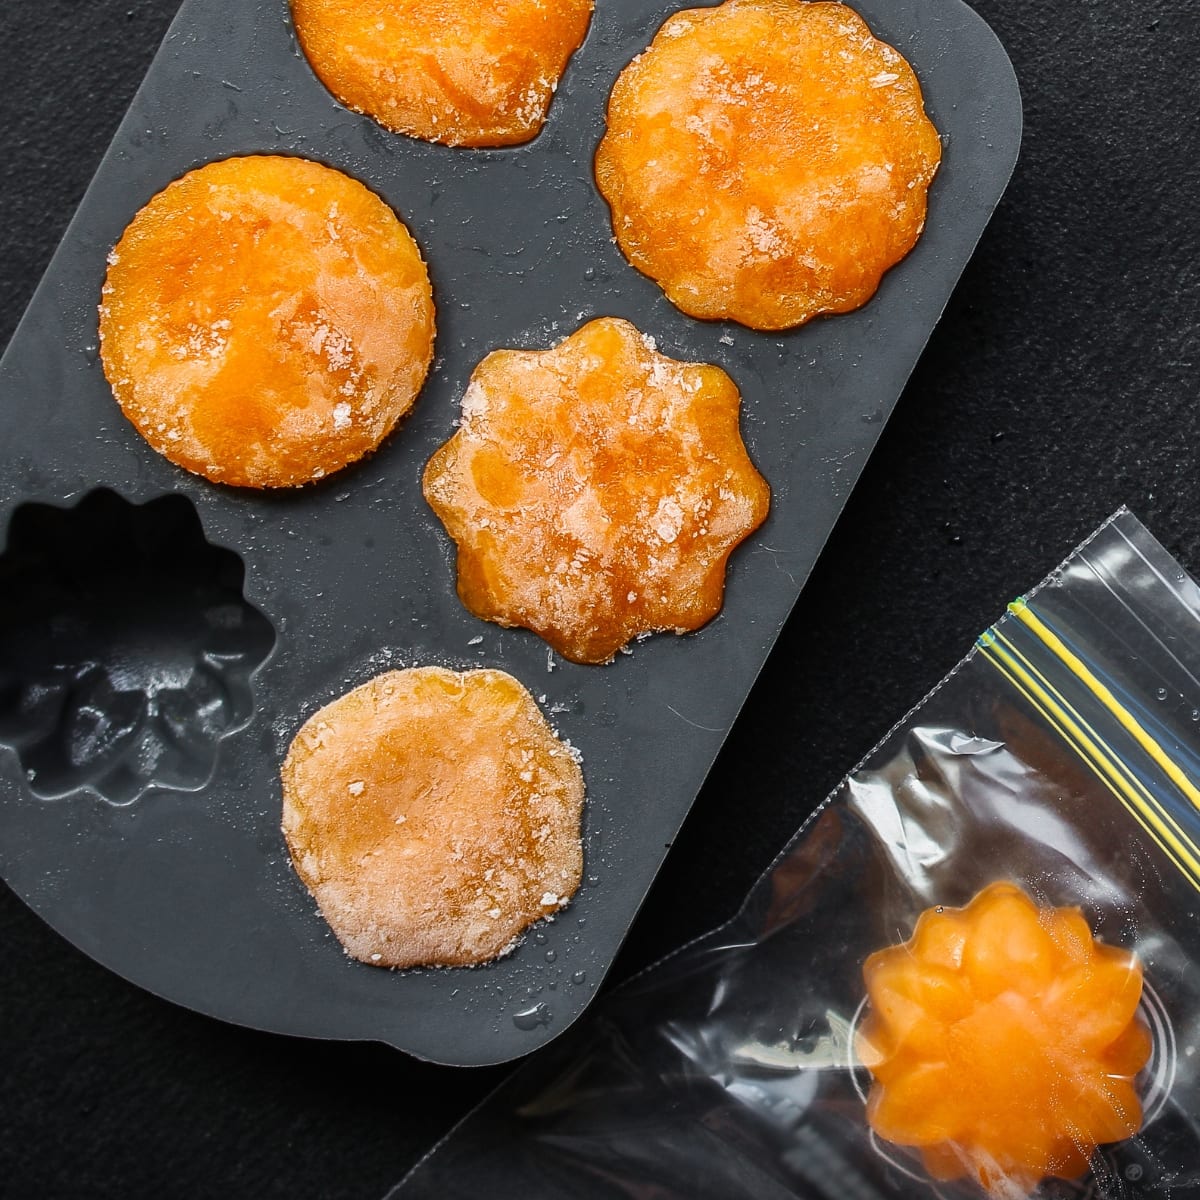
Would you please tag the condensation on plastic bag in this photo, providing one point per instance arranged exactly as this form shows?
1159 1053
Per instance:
1055 756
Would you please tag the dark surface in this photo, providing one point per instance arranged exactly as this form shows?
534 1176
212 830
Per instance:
354 575
1060 384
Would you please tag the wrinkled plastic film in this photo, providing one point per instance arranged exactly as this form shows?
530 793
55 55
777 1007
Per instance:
1063 754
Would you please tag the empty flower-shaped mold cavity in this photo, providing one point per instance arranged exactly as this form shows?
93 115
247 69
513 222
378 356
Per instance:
126 647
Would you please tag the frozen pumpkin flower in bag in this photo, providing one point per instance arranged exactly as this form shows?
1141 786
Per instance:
596 490
1004 1042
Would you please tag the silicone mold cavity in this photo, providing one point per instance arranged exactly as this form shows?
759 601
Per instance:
126 647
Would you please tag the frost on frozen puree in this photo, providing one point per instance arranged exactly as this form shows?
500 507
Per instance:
266 321
596 490
434 816
767 160
460 72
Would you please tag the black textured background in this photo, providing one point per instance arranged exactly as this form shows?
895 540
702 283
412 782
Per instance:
1061 383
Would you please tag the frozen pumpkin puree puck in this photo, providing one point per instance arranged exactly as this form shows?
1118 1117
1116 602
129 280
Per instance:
596 490
266 321
767 161
1004 1042
454 71
434 815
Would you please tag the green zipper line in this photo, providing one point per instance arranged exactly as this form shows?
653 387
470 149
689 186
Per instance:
1088 745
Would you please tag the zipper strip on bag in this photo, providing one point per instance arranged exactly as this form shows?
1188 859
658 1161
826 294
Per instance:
1149 810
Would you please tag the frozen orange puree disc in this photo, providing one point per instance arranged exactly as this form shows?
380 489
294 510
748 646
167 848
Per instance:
266 321
434 816
1004 1042
461 72
767 160
596 490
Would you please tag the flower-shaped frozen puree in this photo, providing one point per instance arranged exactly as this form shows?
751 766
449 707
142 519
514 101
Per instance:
1004 1041
596 490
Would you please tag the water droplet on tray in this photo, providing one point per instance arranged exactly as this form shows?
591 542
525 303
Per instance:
529 1019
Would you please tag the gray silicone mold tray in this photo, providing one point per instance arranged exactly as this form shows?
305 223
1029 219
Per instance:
162 639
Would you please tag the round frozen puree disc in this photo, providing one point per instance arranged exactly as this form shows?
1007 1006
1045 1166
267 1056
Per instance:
767 161
266 321
434 815
452 71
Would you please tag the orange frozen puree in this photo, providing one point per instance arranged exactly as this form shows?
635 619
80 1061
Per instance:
266 321
461 72
434 816
596 490
767 161
1004 1041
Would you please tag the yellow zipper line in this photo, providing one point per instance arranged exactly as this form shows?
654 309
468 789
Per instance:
1182 846
1124 800
1101 748
1021 611
1145 815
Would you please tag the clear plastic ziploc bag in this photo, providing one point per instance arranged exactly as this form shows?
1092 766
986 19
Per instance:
1036 1034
